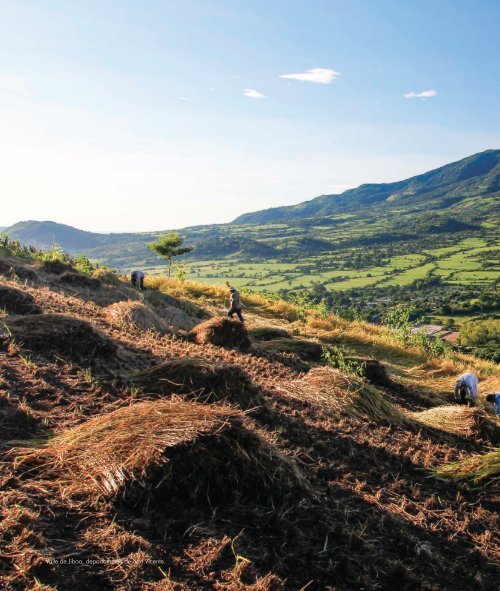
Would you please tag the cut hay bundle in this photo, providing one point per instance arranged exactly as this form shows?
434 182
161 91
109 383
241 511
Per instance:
198 378
222 332
268 333
180 453
78 280
457 420
344 395
15 301
304 350
481 470
56 334
161 301
132 313
56 267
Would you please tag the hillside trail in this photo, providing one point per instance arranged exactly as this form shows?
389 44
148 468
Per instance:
373 518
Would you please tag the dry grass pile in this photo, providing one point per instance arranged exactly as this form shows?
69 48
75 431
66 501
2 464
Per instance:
159 301
268 333
171 311
480 470
56 267
15 301
304 350
344 395
78 280
13 268
458 420
198 378
222 332
132 313
180 452
56 334
107 277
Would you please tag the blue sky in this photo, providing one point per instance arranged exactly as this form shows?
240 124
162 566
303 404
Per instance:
128 116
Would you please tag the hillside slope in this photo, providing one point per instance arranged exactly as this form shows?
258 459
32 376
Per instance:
474 176
139 455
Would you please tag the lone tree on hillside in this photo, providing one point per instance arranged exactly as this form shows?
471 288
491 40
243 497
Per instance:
169 246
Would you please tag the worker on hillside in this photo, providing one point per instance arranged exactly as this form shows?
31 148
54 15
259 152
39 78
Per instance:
137 279
235 306
495 400
466 385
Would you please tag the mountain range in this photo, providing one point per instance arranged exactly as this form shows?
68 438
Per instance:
461 197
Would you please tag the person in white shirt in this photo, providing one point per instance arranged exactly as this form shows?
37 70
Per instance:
137 279
466 385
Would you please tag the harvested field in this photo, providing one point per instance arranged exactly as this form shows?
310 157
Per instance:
16 301
126 314
324 486
222 332
174 450
199 379
56 334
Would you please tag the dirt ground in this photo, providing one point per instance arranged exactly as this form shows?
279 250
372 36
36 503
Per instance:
373 517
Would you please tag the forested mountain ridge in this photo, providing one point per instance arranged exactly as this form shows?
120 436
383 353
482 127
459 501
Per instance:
473 176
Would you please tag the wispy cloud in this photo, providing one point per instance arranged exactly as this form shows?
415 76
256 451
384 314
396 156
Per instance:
425 94
185 99
317 75
251 93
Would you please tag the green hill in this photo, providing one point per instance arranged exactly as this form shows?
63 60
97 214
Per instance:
477 175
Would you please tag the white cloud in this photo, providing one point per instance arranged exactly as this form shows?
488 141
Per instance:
250 93
317 75
425 94
185 99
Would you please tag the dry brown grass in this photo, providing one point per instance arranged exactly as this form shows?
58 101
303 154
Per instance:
184 449
346 395
480 470
457 420
129 314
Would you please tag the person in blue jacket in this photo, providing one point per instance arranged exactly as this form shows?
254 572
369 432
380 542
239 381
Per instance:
495 400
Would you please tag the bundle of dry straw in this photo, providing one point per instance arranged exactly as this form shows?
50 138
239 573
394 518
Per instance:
173 449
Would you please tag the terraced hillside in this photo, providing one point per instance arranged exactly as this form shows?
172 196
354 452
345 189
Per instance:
149 443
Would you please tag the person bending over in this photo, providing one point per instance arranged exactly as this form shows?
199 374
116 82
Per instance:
466 385
137 279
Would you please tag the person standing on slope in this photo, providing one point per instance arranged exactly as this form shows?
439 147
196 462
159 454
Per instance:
137 279
466 385
235 306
